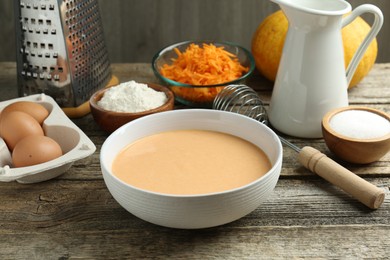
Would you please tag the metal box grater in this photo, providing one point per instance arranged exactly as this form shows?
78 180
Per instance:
60 49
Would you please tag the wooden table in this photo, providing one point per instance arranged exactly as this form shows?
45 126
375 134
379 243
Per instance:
74 215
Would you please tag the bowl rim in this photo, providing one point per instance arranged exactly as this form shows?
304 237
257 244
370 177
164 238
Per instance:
326 124
278 161
170 100
174 83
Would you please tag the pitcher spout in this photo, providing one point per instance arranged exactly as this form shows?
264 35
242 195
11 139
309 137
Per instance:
324 7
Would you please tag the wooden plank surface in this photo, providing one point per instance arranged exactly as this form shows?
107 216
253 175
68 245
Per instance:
80 219
319 242
136 29
75 217
373 91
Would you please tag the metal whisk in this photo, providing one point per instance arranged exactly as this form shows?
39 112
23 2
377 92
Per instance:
244 100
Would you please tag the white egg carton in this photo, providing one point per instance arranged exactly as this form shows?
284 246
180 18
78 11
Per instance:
74 143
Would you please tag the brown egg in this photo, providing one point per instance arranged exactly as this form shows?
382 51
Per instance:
16 125
35 110
33 150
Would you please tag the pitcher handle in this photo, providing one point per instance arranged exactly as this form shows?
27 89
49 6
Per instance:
376 26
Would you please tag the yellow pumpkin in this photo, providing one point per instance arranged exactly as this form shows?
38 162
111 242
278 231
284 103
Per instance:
268 41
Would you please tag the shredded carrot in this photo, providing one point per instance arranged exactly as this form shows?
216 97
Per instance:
201 66
206 65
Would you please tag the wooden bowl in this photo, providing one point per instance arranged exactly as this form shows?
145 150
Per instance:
109 121
354 150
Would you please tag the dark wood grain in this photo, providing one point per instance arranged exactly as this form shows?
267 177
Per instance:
75 217
80 219
136 29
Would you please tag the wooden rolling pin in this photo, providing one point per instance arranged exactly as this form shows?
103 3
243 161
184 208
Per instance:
362 190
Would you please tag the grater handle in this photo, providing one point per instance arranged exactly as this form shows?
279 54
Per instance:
362 190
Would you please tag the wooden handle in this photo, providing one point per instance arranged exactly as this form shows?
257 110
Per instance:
319 163
84 109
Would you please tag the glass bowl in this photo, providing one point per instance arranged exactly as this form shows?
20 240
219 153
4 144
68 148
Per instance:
199 95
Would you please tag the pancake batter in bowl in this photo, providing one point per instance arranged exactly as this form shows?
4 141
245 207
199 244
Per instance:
188 162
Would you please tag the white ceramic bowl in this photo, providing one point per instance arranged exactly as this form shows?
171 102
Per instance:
192 211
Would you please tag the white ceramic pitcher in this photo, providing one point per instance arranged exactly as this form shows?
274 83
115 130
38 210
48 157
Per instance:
311 78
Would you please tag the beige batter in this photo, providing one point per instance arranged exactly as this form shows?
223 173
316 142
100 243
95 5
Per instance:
190 162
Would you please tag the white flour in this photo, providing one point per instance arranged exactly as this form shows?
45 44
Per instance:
131 97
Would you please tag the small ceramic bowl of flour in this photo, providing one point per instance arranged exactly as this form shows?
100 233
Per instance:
357 134
117 105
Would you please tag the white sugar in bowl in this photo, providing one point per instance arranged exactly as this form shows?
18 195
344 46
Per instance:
357 134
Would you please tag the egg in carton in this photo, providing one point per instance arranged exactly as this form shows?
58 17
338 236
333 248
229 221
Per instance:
74 143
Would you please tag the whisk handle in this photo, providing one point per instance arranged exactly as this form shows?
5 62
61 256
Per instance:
362 190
